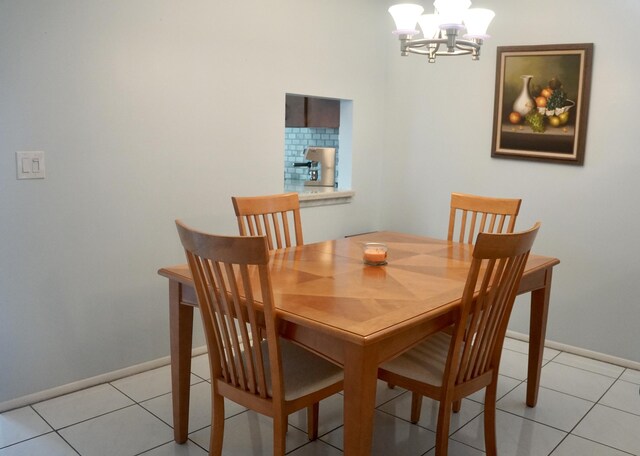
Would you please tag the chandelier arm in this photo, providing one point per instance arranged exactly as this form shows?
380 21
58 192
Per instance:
472 47
467 45
454 53
420 51
425 41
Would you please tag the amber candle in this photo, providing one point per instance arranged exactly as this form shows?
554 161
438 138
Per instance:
374 253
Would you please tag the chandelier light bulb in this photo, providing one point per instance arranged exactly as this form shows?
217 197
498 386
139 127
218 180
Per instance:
406 17
430 25
477 21
451 12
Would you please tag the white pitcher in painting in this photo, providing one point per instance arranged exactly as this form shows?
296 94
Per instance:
525 102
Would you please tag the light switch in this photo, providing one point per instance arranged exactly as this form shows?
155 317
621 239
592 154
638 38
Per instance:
30 165
26 165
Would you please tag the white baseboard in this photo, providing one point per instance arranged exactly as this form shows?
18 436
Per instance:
579 351
89 382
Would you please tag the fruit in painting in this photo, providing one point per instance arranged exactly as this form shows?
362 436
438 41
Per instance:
515 117
536 121
554 121
546 92
555 83
557 99
541 102
564 117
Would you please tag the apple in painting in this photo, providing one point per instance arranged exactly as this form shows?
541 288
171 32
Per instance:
515 117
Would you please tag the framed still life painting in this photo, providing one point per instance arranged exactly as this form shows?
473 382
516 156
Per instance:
542 102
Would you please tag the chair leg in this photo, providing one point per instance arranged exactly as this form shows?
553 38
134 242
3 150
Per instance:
416 407
312 421
490 418
442 429
457 405
217 424
279 433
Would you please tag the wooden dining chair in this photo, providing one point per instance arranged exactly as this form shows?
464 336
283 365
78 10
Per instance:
275 216
449 366
269 374
481 214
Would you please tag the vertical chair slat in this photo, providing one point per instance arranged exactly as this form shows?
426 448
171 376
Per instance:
470 328
243 342
492 223
253 224
277 235
452 223
493 314
229 327
213 308
256 349
482 226
472 225
463 225
492 298
481 307
209 320
285 226
268 230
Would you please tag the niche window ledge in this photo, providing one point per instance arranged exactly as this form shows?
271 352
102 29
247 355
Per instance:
321 196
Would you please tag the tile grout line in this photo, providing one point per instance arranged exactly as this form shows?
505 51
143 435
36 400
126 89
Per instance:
54 430
587 413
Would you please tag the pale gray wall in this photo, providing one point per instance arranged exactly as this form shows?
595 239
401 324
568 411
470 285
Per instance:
150 110
590 215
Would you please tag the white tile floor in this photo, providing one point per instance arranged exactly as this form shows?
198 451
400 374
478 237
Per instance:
585 407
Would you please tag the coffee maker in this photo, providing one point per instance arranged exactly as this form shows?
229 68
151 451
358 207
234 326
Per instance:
321 162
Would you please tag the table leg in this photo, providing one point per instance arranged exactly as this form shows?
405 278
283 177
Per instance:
181 334
360 380
537 333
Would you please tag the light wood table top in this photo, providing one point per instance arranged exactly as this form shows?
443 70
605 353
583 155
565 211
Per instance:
359 315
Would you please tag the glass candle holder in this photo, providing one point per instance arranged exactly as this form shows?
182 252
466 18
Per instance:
374 253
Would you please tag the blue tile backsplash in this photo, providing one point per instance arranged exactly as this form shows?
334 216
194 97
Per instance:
296 140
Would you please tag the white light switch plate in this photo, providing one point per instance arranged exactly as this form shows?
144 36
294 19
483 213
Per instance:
30 165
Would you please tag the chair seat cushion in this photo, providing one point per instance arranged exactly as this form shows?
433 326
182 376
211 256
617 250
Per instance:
425 362
302 371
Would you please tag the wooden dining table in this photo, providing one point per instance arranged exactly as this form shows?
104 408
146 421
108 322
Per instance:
357 315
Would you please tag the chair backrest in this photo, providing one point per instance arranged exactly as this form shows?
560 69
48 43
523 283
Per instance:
272 215
222 268
490 290
481 214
